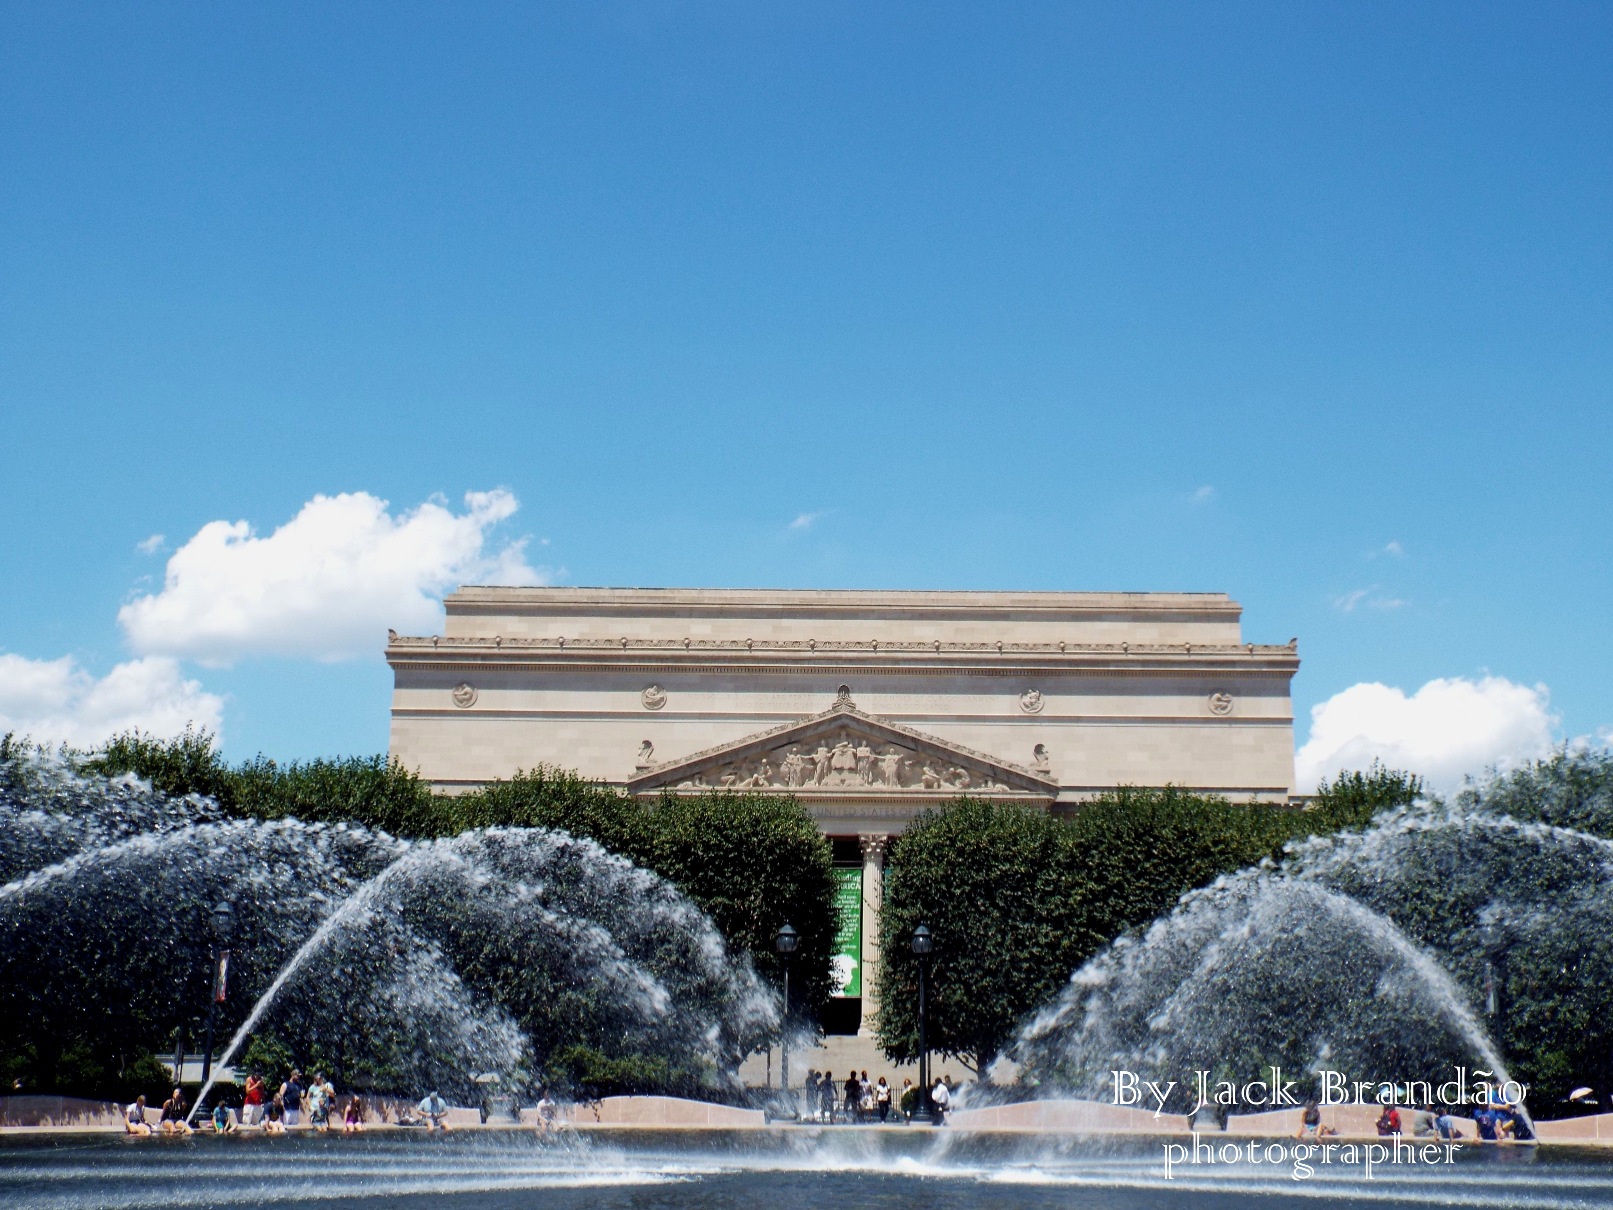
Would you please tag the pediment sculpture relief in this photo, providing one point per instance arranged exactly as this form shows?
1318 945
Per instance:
842 760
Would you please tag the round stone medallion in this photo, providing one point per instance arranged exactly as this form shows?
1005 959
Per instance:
464 695
1221 702
653 697
1031 701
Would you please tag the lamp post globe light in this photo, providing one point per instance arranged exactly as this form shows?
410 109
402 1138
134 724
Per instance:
923 946
223 923
785 944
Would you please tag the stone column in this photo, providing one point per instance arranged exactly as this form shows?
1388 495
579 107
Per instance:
873 847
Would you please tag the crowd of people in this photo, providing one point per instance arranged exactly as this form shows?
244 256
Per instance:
1495 1121
263 1110
861 1101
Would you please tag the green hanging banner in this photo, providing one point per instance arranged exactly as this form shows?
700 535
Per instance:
846 963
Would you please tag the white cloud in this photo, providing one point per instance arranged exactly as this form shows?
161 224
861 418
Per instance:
1395 549
56 701
151 545
1370 596
1445 730
805 520
1204 495
327 584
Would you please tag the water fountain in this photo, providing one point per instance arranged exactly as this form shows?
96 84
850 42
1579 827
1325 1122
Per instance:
410 965
1363 952
435 962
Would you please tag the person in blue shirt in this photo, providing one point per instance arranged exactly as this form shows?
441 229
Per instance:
435 1110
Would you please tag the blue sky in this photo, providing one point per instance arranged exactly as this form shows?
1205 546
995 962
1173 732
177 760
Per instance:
1308 304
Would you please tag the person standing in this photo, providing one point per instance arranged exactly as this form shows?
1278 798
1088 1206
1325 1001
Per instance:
291 1098
882 1099
826 1097
252 1101
940 1098
318 1107
853 1102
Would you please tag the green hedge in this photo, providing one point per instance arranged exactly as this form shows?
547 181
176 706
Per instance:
1018 899
752 862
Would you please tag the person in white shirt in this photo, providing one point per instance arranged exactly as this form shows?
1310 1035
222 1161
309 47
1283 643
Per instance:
940 1098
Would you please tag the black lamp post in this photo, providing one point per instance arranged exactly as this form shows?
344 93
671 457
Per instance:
785 944
223 931
923 945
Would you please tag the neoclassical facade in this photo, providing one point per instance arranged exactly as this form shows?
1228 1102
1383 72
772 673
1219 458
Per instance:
868 706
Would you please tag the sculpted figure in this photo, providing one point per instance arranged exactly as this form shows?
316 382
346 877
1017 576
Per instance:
865 764
844 761
930 779
820 765
959 777
1039 760
794 768
890 768
645 751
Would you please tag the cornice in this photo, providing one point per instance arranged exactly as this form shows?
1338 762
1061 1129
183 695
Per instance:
796 655
774 602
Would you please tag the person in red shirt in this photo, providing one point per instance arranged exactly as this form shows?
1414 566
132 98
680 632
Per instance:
1389 1121
252 1102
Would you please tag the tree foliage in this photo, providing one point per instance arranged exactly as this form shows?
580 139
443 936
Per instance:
750 862
1017 899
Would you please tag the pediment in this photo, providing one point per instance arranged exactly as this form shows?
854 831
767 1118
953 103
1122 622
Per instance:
845 753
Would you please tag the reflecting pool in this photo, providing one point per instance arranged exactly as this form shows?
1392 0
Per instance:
777 1170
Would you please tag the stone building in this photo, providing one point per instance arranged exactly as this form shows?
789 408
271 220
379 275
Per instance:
867 706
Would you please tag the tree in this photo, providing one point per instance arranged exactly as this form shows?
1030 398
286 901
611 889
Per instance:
994 885
753 862
1018 899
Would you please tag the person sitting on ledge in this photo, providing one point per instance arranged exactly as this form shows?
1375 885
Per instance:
1389 1121
546 1113
435 1110
274 1118
353 1116
321 1100
173 1114
134 1117
1310 1123
223 1123
1445 1127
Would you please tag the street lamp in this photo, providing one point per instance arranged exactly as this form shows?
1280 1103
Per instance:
785 944
923 945
223 931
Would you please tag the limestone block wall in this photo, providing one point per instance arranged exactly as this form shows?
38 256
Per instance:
1084 685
